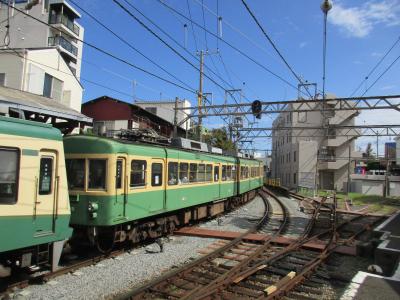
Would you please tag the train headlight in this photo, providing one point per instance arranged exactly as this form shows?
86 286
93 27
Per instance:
93 207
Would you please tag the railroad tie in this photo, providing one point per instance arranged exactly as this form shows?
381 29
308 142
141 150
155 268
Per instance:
273 288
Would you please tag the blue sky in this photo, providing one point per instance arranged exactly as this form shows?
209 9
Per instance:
359 33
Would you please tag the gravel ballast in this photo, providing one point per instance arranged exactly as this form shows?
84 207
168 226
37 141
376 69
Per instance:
117 275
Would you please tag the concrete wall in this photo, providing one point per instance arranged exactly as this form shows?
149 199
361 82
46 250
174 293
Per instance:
373 184
27 74
12 66
166 110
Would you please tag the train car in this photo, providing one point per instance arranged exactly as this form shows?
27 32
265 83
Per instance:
124 191
34 204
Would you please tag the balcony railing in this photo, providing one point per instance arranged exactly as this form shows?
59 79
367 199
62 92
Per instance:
64 43
62 19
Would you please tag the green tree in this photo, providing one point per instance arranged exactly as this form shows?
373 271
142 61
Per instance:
368 151
218 137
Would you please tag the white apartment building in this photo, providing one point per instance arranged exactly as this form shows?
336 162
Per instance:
309 157
40 59
166 110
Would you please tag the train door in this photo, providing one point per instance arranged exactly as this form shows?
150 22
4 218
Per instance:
158 193
46 202
121 184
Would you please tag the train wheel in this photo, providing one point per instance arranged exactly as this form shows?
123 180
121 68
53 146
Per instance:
105 239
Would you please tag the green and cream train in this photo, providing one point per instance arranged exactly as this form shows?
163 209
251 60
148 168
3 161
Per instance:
119 191
123 191
34 206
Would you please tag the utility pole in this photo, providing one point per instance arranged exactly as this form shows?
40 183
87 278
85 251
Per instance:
176 118
200 96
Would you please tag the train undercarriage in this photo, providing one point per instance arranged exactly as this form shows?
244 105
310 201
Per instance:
105 238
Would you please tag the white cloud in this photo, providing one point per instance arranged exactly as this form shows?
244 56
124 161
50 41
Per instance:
360 21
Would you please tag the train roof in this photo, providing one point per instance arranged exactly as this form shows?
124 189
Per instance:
27 128
75 144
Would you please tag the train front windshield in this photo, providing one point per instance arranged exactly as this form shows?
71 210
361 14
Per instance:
76 174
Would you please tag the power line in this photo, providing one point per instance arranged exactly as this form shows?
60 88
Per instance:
383 73
375 67
129 44
66 73
191 25
235 48
107 53
177 43
273 44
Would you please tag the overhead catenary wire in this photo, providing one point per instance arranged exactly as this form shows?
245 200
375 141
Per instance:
273 45
191 25
129 44
164 42
234 48
375 67
382 74
109 54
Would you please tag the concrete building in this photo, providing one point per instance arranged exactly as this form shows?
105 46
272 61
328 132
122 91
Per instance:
43 60
309 157
166 110
112 115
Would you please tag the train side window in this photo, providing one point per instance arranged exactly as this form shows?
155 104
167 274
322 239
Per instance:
138 173
216 173
156 174
9 166
193 173
228 172
184 172
234 173
247 172
172 173
97 174
45 175
208 172
242 172
223 176
201 176
75 173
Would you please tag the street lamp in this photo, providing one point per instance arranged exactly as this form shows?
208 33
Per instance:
326 6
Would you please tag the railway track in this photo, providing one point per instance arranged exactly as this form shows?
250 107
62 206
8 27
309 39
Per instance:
222 267
241 270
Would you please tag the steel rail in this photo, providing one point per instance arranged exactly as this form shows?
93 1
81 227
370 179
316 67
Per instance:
151 286
243 265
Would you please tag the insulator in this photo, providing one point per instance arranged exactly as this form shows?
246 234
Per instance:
185 34
220 27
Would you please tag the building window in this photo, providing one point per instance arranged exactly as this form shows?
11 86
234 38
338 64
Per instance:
156 174
52 87
152 110
48 81
294 178
184 172
76 173
2 79
97 174
9 165
294 156
138 173
172 173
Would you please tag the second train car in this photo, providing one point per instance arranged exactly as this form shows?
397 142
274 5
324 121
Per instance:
124 191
